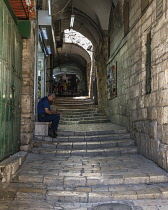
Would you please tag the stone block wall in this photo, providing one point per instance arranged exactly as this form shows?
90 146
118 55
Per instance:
27 114
145 115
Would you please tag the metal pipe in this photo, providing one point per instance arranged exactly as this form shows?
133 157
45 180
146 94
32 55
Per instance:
35 70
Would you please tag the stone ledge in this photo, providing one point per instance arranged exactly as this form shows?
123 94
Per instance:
41 128
9 166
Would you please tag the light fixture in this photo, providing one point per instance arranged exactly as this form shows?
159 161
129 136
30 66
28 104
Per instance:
28 2
72 21
48 49
44 32
49 7
89 47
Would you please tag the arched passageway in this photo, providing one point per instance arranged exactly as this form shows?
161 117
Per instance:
126 69
91 24
73 60
126 75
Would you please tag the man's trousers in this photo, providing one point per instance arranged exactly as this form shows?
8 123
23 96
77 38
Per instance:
54 118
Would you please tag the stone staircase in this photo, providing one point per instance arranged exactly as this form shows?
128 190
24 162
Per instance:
86 145
83 116
86 165
74 102
80 111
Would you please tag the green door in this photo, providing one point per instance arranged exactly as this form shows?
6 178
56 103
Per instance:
10 83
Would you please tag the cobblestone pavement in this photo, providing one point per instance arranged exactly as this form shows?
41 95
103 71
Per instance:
70 182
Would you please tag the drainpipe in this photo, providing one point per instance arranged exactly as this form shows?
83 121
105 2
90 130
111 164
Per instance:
35 70
51 74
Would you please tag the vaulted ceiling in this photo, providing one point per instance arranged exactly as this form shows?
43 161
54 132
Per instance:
91 16
91 19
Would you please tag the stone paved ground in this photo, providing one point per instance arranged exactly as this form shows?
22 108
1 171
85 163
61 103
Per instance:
125 178
49 179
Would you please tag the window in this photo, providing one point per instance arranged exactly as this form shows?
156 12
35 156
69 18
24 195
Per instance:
144 5
148 64
109 43
126 18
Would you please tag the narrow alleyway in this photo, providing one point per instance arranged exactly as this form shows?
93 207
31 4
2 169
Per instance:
91 162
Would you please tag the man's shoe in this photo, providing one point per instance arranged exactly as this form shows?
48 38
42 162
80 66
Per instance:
51 133
55 132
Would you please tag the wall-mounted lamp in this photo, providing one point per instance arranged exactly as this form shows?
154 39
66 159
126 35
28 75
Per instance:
28 2
44 32
49 49
89 47
49 7
72 21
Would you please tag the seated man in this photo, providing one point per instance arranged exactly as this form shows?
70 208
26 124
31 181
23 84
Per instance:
46 115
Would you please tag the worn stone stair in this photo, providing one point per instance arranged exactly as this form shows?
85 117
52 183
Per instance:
83 116
90 143
86 165
80 111
74 102
85 180
114 144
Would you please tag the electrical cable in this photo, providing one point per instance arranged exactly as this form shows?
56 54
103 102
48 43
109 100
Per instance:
62 8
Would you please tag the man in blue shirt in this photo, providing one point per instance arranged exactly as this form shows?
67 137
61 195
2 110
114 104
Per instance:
46 115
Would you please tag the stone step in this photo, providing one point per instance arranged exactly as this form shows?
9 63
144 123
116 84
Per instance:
81 118
92 197
75 103
77 106
62 137
84 121
88 195
64 100
82 110
63 114
80 100
99 133
95 181
84 145
87 152
86 113
15 186
81 138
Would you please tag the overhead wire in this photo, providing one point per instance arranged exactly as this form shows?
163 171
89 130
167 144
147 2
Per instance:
62 8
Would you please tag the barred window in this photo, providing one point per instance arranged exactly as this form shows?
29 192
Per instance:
148 64
126 18
109 46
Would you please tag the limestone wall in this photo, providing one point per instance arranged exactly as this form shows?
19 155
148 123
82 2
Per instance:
27 115
145 115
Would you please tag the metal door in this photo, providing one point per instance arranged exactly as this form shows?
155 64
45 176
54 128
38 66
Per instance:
10 83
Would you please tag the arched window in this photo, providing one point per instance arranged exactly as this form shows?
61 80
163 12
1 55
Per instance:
148 63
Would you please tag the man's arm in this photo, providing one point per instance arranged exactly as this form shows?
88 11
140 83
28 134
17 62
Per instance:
50 112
